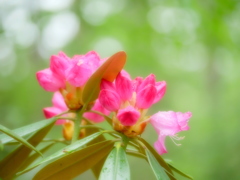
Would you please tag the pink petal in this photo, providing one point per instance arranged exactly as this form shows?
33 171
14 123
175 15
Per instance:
59 64
50 112
109 100
136 83
58 101
124 87
48 81
96 117
78 73
149 80
159 145
146 96
161 89
93 60
128 116
165 123
107 85
125 74
183 119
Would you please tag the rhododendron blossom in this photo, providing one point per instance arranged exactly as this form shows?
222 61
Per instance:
169 124
69 75
59 106
129 100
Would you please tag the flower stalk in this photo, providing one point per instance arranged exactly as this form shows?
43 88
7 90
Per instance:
77 122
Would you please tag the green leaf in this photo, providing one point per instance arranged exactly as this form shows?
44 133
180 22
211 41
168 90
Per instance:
180 172
108 70
73 164
159 159
10 164
63 152
96 169
26 130
33 157
18 138
156 167
116 166
1 145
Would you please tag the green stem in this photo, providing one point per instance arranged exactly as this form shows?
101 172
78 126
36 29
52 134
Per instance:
135 153
77 123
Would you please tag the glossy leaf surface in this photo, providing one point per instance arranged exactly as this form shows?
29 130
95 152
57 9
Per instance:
18 138
10 164
33 157
64 152
159 159
71 165
26 130
116 166
96 169
156 167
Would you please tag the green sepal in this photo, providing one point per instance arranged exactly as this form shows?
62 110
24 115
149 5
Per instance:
116 166
73 164
108 71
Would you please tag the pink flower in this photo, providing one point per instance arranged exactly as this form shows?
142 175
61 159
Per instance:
69 75
168 123
59 106
94 117
130 100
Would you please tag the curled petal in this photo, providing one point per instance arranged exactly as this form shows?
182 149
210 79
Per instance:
149 80
159 145
53 111
169 123
48 81
109 100
165 123
128 116
58 101
183 119
124 87
146 96
96 117
59 64
161 89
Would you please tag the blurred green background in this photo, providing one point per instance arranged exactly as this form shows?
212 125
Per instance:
192 45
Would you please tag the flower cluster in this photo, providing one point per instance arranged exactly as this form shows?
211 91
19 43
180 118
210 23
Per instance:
128 100
69 75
